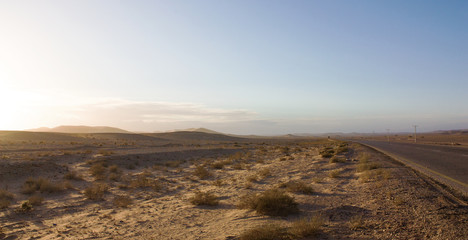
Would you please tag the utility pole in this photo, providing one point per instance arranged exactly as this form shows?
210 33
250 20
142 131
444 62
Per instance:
415 126
388 135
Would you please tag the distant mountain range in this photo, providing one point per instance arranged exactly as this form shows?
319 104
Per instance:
80 129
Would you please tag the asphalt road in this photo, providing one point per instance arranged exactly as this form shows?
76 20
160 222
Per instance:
445 163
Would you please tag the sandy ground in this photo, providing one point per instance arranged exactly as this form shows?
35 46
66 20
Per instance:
388 202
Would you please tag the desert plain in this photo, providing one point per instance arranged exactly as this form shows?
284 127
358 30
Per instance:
195 185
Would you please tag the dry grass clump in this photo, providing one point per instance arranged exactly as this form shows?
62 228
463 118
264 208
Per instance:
238 166
122 201
173 163
356 222
32 185
5 198
306 227
298 186
265 172
142 181
96 191
73 175
334 174
35 200
115 169
98 171
218 165
273 202
266 232
343 148
201 172
204 198
327 152
338 159
300 229
365 166
252 178
25 206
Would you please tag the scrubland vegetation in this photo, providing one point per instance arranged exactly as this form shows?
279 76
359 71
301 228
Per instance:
275 189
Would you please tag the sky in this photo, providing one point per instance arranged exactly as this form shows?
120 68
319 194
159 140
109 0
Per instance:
244 67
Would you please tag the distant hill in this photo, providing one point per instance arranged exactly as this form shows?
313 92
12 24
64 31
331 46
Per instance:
203 130
449 132
194 135
80 129
36 136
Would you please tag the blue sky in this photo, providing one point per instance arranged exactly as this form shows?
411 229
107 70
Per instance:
260 67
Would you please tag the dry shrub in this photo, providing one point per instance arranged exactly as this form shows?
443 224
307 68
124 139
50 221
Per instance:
366 176
341 149
266 232
265 172
115 169
317 179
217 165
298 186
36 200
96 191
252 178
327 152
122 201
201 172
334 174
273 202
338 159
204 198
25 206
365 166
32 185
141 181
5 198
98 170
306 227
173 163
218 183
238 166
73 175
356 222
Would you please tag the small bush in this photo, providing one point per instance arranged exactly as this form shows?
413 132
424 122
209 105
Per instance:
252 178
273 202
356 222
96 191
115 169
142 181
265 172
298 187
265 232
338 159
327 152
173 164
217 165
122 201
341 149
306 227
5 198
32 185
35 200
204 198
25 206
98 171
238 166
201 172
73 175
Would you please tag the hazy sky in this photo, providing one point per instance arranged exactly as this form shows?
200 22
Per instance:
260 67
